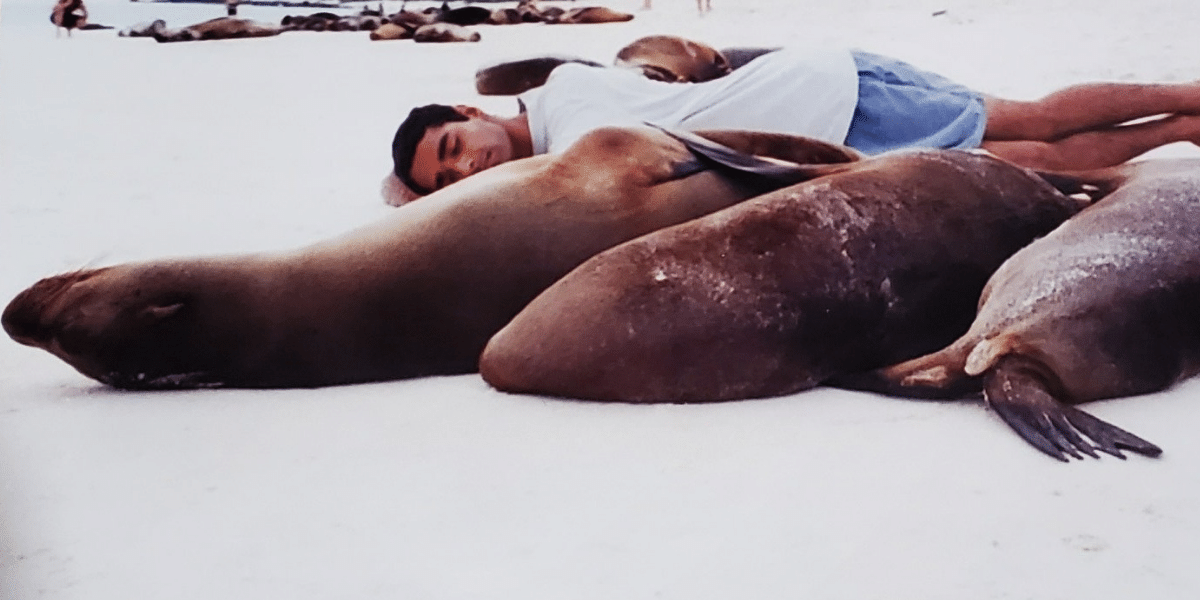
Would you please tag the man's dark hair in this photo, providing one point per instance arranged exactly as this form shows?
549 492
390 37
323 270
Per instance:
404 145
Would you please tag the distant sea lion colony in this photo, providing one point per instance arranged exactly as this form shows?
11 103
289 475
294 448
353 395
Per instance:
433 24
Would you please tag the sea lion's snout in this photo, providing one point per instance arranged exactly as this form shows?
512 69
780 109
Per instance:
21 321
24 318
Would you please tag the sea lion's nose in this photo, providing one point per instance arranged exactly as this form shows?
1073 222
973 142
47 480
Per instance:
24 317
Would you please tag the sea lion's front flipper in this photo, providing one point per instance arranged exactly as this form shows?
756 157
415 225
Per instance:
790 148
1020 395
773 173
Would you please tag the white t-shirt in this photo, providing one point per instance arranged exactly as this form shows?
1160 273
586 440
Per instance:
793 91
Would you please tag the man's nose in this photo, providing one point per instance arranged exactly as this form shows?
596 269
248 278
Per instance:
466 164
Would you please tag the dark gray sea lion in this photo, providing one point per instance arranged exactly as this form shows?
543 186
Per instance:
466 15
530 11
549 14
313 22
877 261
518 76
222 28
411 20
445 32
357 23
673 59
504 16
418 293
1107 305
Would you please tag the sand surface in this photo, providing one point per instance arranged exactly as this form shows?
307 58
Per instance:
115 149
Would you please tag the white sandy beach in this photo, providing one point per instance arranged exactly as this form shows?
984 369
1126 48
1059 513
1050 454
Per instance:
115 149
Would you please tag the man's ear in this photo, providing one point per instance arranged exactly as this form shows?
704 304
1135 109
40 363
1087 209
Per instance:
394 192
469 111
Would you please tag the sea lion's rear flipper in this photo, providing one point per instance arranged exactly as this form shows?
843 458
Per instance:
1017 391
519 76
936 376
1098 183
1092 185
771 172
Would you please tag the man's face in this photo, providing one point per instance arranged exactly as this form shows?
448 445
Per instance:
454 150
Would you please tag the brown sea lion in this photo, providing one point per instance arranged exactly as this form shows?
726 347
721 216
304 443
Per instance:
221 28
1106 305
878 260
678 60
673 59
586 15
391 31
518 76
445 32
418 293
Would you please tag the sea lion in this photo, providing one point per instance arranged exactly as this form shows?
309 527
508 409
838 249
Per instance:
318 21
146 29
418 293
411 20
530 11
586 15
466 15
504 16
221 28
514 77
391 31
1107 305
673 59
876 261
356 23
445 32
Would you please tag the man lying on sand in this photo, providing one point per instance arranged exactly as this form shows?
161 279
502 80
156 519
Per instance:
869 102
